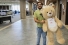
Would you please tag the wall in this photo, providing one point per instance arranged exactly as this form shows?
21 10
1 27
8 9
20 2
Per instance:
13 5
63 16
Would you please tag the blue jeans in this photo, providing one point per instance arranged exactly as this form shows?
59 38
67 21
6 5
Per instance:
39 33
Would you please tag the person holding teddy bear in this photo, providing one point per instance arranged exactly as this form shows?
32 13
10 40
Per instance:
40 21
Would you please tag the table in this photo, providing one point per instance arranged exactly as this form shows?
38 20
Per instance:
5 18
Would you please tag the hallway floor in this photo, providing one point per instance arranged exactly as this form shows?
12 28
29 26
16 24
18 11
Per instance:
23 32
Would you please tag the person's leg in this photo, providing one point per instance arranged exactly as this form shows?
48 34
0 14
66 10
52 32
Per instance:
39 31
44 37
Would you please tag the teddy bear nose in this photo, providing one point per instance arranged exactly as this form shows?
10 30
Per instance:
49 13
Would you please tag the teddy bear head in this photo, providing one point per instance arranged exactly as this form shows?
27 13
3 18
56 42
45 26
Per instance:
48 12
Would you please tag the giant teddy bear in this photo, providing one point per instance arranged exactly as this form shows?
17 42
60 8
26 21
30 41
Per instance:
52 25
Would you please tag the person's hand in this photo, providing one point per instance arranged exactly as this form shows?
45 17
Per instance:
43 21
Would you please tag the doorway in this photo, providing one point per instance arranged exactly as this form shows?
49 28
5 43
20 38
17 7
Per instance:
60 12
66 20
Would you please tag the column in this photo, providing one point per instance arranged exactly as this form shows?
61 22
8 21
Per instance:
57 8
45 2
22 9
30 8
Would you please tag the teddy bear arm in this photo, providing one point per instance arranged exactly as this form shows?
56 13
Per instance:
44 27
58 22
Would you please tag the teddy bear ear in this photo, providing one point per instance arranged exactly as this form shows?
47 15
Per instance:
51 4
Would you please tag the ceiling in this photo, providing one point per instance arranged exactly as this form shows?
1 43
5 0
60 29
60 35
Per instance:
31 0
18 1
8 0
13 1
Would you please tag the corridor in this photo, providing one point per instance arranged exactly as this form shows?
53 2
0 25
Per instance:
23 32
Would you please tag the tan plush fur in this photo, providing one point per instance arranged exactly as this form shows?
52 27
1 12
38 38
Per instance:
49 12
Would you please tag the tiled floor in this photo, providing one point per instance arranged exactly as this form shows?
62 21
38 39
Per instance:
23 32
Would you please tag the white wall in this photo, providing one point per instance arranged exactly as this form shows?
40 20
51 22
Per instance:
27 5
15 7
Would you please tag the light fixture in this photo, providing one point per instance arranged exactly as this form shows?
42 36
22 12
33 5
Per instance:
37 0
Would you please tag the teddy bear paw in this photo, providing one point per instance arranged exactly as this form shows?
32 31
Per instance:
45 29
60 25
61 41
50 43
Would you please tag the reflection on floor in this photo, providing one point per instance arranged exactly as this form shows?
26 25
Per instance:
66 26
23 32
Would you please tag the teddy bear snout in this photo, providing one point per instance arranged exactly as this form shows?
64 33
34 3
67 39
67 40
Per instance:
49 13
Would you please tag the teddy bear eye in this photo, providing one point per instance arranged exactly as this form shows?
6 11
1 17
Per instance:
47 12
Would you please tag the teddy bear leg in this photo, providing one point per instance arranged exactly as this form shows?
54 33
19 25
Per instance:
59 37
50 38
44 27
